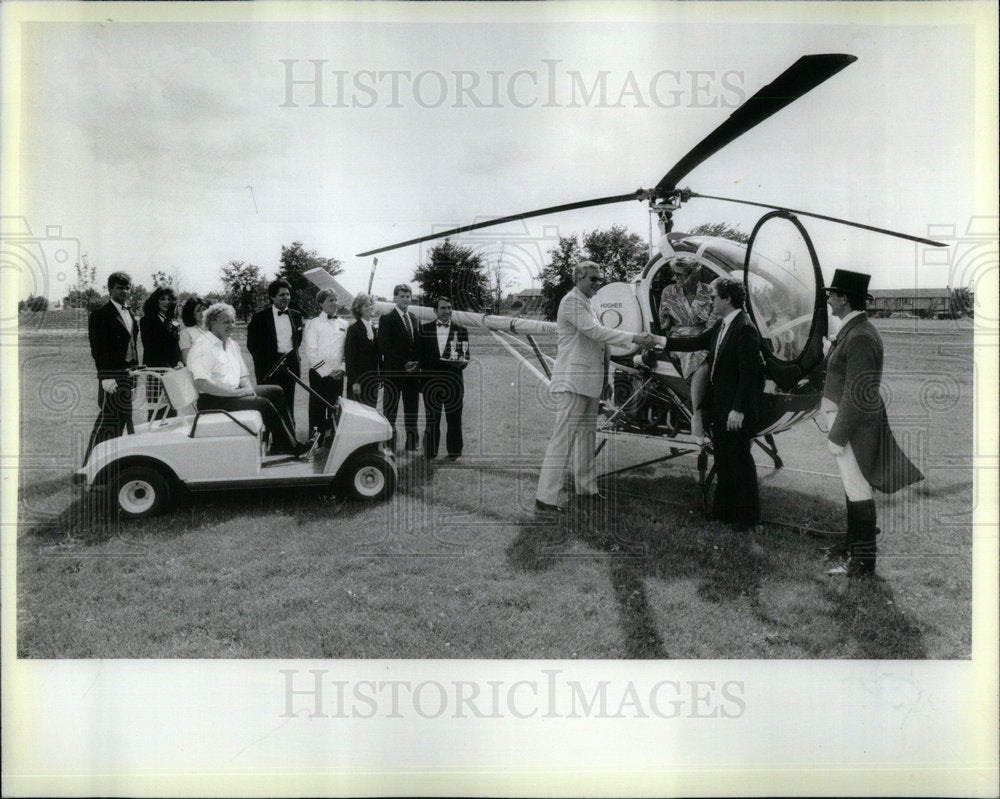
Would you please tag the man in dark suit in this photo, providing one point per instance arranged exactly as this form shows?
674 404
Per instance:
444 354
397 348
736 383
113 335
273 333
859 436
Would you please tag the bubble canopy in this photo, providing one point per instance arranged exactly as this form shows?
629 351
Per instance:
783 278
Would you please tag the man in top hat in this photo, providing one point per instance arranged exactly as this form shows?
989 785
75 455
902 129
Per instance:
859 436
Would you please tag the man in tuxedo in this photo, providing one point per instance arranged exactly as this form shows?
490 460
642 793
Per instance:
859 437
323 346
736 385
444 354
398 352
579 377
273 333
113 335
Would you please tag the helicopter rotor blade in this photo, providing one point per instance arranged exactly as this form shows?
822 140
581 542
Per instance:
801 77
554 209
839 221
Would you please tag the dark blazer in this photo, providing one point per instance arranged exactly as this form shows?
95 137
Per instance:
737 381
109 340
853 378
160 345
262 341
394 345
429 355
360 354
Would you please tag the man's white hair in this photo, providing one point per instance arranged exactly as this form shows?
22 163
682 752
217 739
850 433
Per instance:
581 268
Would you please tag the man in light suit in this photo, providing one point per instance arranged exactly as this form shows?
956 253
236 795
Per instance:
273 333
113 332
579 378
736 385
859 436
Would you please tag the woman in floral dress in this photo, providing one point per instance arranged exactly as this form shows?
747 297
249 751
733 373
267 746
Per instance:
687 305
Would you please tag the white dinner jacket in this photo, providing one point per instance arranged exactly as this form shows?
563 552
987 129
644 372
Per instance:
580 365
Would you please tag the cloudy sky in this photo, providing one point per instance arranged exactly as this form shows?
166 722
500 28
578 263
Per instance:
141 139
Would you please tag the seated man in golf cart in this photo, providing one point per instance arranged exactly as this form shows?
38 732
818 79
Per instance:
223 381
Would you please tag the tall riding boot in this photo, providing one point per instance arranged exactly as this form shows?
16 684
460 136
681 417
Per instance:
842 549
863 546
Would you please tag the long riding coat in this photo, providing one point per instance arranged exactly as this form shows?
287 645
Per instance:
853 377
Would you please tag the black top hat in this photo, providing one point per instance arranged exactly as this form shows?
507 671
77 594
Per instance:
853 284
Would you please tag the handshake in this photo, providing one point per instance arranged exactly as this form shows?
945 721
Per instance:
648 341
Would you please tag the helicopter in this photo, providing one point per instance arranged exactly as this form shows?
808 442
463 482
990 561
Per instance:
777 265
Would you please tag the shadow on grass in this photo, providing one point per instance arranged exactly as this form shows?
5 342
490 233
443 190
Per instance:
644 535
90 517
867 612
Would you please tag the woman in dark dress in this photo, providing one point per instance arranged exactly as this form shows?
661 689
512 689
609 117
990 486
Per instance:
160 347
361 353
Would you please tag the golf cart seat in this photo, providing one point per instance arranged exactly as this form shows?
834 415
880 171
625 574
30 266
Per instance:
183 395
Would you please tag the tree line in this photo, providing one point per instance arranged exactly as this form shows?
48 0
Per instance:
474 280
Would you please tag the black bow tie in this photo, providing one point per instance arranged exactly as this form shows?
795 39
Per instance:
331 316
126 308
283 313
442 324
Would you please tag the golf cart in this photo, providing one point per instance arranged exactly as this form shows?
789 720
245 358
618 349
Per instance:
211 450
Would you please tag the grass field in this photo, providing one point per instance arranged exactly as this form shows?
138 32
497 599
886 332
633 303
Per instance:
456 566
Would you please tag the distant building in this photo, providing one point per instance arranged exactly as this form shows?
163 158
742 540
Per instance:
919 302
527 301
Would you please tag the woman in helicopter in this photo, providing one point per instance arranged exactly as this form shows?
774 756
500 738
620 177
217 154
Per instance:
686 304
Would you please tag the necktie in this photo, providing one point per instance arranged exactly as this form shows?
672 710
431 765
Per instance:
331 316
406 323
126 307
715 351
441 324
283 313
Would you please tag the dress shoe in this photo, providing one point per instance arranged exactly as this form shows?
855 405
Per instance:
741 527
839 551
302 448
545 507
854 568
598 497
453 457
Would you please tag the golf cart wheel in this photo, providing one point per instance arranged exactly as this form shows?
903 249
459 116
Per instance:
140 492
370 478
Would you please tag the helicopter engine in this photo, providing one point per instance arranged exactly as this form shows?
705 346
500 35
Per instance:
643 407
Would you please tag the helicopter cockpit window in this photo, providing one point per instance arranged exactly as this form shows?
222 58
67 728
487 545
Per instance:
782 287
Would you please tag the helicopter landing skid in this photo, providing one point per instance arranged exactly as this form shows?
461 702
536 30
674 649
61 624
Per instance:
706 475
